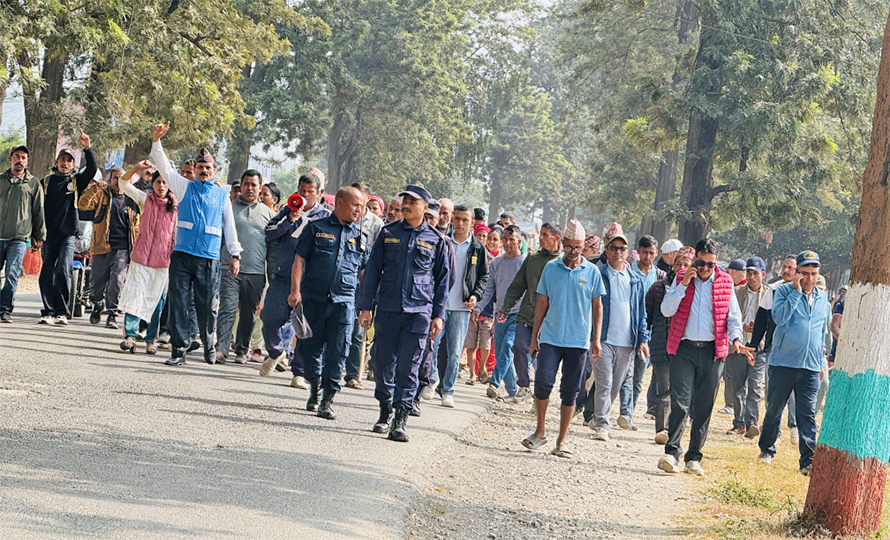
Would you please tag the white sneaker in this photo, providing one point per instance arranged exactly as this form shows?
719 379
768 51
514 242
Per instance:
429 391
61 320
491 391
46 319
765 458
669 464
448 401
241 359
299 382
795 436
600 434
694 467
661 437
624 422
269 366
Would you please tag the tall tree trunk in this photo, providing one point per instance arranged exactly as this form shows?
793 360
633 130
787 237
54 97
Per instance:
340 153
850 463
698 178
4 61
137 151
686 23
494 199
665 186
41 119
549 213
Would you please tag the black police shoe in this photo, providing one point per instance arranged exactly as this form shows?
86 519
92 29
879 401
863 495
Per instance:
96 315
312 403
415 408
383 421
324 409
397 427
193 346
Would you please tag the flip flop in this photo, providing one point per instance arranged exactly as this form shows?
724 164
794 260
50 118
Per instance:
353 383
532 442
562 452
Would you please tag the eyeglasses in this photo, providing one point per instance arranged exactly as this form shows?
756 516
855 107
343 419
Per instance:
700 263
618 248
572 248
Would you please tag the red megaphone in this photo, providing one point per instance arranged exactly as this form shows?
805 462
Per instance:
295 202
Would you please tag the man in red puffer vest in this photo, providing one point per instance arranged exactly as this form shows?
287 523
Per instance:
705 320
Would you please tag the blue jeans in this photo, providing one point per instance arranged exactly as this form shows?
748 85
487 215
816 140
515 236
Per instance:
521 343
55 276
805 385
504 335
455 332
131 322
12 253
633 385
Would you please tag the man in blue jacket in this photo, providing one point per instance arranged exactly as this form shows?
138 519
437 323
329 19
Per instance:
800 312
624 332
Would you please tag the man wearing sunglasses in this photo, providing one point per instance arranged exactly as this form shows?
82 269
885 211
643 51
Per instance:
706 325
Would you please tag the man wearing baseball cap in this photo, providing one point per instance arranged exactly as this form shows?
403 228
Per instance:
736 269
743 379
407 279
61 189
801 312
669 252
22 194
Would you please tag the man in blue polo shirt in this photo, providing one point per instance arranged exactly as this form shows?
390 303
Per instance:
568 320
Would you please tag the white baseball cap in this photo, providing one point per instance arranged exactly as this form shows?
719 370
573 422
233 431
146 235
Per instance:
671 245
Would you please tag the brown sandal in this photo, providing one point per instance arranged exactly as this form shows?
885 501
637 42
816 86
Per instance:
354 383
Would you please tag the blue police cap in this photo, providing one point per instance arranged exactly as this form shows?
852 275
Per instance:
808 258
755 263
416 192
737 264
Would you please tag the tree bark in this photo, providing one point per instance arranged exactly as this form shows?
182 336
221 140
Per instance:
238 147
340 154
494 200
137 151
846 488
698 178
41 120
665 186
4 59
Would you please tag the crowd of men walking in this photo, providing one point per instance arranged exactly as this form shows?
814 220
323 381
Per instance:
191 265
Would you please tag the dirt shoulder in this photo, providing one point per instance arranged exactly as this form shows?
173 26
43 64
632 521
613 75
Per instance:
487 486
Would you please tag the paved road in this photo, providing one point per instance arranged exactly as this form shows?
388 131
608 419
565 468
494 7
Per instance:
97 443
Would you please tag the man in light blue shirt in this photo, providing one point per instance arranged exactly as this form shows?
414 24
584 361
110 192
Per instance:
568 319
645 269
624 330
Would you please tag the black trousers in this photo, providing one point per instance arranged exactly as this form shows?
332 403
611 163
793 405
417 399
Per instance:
199 276
695 376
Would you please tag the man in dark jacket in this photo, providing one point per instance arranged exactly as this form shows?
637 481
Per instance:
471 271
61 189
660 387
21 195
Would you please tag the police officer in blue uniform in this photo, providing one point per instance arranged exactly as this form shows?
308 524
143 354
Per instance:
407 276
330 253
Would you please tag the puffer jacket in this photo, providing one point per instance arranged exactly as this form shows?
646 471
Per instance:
659 325
97 199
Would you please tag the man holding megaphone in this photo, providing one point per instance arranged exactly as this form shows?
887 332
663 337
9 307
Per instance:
284 230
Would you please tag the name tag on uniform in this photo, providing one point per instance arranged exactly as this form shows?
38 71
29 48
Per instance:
351 240
473 260
421 243
582 280
391 240
325 235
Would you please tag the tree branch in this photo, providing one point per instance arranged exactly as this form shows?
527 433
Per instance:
196 41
